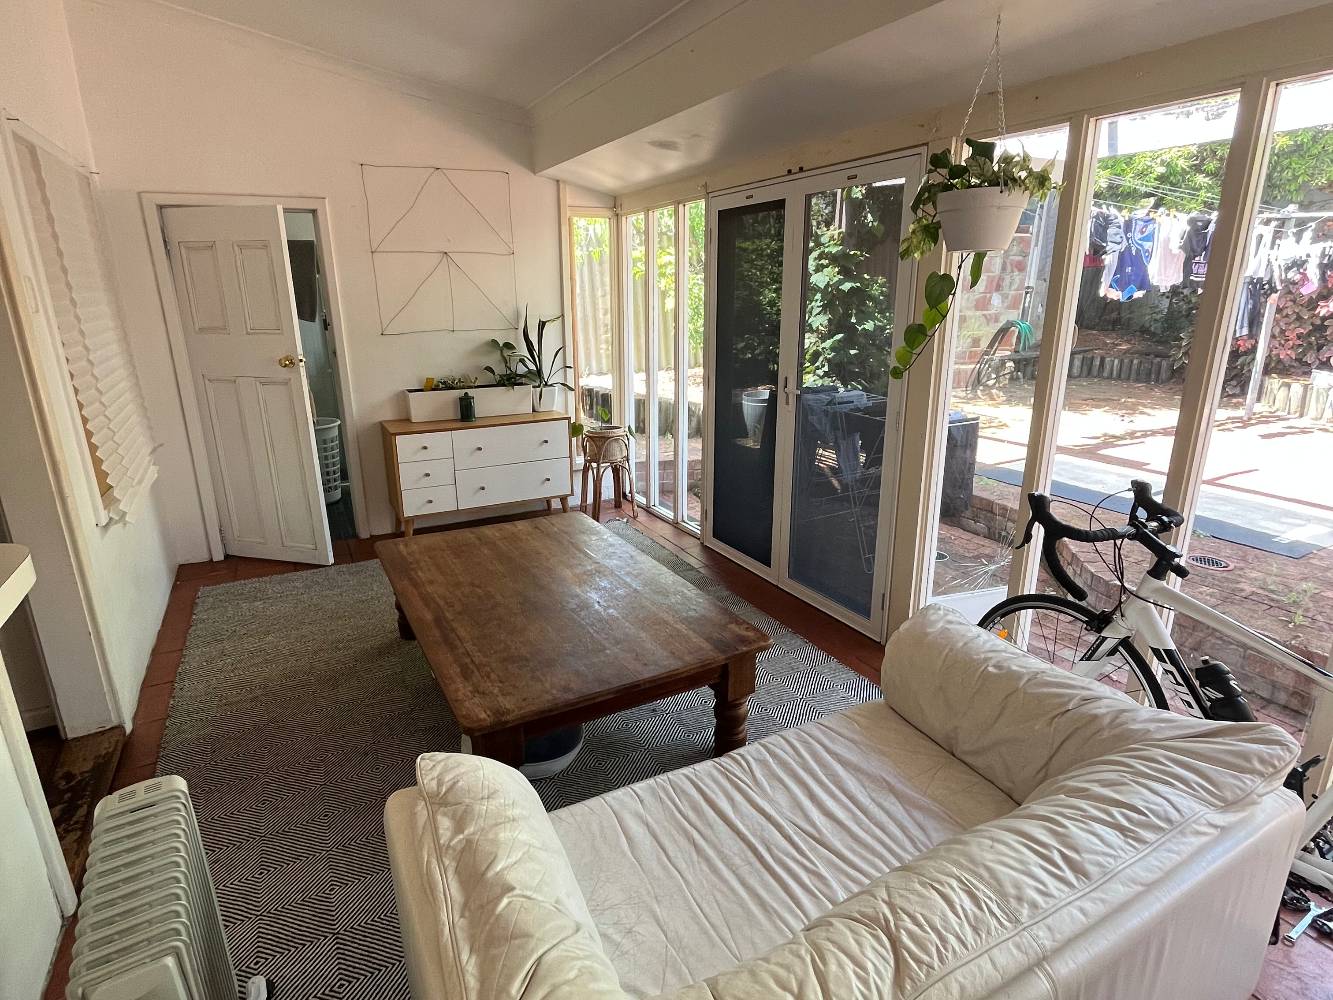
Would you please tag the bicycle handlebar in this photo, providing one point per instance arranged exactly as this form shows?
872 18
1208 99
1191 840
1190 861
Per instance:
1156 519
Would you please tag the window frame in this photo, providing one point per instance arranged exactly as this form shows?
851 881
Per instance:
49 360
573 334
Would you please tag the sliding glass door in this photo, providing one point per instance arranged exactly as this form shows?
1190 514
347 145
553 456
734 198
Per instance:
806 289
747 315
846 325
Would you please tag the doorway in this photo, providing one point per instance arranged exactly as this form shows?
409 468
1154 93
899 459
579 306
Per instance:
253 318
804 315
320 352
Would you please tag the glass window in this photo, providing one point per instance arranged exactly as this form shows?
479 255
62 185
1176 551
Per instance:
664 287
636 318
1262 549
849 283
748 286
594 325
991 376
1157 184
696 225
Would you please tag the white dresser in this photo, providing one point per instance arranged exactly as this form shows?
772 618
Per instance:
445 465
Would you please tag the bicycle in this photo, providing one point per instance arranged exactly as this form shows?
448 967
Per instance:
1129 646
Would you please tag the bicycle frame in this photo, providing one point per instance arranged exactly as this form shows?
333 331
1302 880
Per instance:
1139 621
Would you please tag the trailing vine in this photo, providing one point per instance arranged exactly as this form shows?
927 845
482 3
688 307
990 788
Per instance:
982 168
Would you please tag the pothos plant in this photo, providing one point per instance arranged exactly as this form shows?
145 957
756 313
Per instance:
982 168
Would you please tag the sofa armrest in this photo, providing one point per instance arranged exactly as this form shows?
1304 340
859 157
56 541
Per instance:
510 918
1018 722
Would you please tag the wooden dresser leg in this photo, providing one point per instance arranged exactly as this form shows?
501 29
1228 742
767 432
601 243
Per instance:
548 505
731 704
404 626
407 526
504 745
564 504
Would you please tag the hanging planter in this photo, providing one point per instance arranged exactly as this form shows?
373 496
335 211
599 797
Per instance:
979 219
974 205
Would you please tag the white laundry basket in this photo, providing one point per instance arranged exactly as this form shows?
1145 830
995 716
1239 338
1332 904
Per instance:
330 457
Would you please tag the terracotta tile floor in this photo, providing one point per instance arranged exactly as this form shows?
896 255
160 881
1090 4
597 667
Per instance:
1305 971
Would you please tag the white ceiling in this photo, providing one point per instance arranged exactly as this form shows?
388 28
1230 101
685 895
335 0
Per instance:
927 60
514 51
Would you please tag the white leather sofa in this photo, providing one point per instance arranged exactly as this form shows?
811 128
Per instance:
993 828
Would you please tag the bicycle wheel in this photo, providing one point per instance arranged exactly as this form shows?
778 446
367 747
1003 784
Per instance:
1061 632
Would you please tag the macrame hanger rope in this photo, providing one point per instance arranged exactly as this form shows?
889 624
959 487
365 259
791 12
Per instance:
992 59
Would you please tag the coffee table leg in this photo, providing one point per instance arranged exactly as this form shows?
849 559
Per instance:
504 745
404 626
731 704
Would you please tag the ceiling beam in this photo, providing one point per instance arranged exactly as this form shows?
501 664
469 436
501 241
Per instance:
700 51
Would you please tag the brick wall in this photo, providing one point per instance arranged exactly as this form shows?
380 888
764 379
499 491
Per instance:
997 298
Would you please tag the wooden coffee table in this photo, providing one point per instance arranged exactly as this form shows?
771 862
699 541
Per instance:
539 624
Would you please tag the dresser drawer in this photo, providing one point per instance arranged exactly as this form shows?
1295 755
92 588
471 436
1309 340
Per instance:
488 446
430 500
423 447
433 472
507 483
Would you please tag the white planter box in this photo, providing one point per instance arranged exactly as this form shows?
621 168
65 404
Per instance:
491 401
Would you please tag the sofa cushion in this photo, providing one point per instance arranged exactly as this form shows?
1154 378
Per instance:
693 871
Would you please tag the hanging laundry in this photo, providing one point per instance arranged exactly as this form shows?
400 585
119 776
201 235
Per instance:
1106 233
1260 264
1168 262
1199 244
1131 278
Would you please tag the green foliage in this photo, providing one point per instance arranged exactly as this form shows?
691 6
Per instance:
1189 178
513 365
849 295
752 290
981 168
1302 328
578 429
534 368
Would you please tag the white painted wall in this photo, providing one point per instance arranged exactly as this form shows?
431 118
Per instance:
245 114
29 913
128 568
37 78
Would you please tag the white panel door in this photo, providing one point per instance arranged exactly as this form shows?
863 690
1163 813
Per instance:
234 289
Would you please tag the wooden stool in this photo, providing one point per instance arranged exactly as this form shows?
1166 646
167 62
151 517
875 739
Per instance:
606 449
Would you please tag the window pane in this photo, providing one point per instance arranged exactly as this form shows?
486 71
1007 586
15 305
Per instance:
664 222
695 218
847 308
994 364
1157 183
594 327
1263 541
636 311
748 314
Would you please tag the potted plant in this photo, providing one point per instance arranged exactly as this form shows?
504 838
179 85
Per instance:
546 380
975 206
606 441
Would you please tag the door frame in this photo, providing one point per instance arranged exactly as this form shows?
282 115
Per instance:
909 164
152 204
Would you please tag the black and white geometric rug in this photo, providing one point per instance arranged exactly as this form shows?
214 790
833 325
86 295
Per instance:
298 710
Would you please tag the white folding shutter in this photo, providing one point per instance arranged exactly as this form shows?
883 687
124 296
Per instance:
101 369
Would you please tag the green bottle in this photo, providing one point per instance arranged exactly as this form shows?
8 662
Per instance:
467 408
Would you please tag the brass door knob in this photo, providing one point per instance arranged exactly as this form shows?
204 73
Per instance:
290 361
